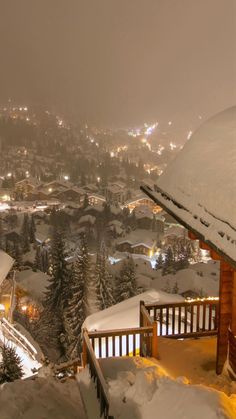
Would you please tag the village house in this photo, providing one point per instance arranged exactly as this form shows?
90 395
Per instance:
26 186
116 192
95 199
137 242
142 200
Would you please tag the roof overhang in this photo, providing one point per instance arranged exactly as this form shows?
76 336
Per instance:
181 215
6 263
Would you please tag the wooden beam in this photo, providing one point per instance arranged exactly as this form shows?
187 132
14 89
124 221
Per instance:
191 235
233 318
154 341
214 255
204 246
224 320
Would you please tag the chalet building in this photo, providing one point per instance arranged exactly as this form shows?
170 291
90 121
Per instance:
116 193
71 194
142 200
7 285
175 234
26 186
198 189
95 199
137 243
143 216
55 187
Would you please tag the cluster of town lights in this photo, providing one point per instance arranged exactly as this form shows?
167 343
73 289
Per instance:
199 299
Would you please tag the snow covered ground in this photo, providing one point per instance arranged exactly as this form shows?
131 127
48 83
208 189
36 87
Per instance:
196 359
142 389
41 398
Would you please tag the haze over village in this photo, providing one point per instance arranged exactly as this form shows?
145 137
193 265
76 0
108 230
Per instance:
117 209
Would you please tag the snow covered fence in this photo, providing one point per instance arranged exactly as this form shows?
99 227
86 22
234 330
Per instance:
89 358
17 337
195 318
122 342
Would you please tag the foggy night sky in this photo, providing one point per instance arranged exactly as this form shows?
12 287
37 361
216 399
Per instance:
120 62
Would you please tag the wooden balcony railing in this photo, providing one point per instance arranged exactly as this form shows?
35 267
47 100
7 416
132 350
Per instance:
185 319
89 358
179 320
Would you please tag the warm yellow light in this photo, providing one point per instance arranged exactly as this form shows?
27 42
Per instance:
24 308
194 300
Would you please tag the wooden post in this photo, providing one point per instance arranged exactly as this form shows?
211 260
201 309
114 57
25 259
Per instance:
225 310
141 303
75 368
154 340
84 353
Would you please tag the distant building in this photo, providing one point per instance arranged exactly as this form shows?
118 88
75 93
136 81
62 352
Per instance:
116 192
137 242
142 200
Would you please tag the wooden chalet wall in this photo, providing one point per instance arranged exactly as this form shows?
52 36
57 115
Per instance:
227 305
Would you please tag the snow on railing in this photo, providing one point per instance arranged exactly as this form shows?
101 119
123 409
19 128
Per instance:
18 337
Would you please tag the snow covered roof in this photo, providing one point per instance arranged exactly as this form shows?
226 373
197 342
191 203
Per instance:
137 237
6 263
175 231
126 313
87 219
34 283
199 187
143 211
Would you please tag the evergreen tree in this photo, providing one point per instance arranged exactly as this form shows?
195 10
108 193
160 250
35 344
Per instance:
32 230
175 289
103 280
57 295
45 258
126 286
159 262
10 366
38 259
167 287
17 255
8 248
86 201
77 307
107 215
169 262
57 292
25 231
133 221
